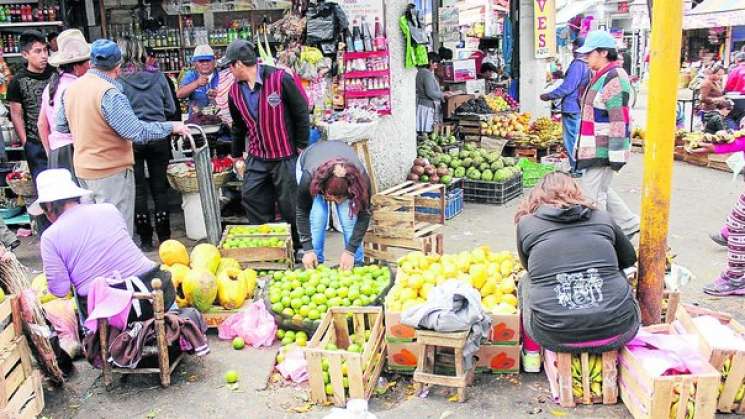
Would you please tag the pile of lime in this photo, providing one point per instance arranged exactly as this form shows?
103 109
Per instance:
288 337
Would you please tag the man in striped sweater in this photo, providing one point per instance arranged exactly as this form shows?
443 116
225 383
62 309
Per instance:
270 125
604 134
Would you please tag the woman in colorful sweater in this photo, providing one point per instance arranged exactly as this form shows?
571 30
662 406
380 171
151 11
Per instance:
604 136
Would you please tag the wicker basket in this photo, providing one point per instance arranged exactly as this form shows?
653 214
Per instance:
22 187
189 184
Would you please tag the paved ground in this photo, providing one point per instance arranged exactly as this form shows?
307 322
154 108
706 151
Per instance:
701 200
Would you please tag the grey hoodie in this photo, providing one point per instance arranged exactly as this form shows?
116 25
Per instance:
149 94
575 290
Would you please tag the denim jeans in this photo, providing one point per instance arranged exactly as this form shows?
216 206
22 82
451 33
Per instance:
570 129
319 215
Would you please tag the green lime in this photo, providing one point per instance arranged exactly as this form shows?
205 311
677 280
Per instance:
231 377
238 343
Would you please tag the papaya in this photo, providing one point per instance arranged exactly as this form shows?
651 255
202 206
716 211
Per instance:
231 289
200 289
402 332
405 358
501 333
502 362
249 277
178 275
227 263
173 251
205 257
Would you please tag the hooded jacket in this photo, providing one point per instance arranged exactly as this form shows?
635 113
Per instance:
150 95
575 291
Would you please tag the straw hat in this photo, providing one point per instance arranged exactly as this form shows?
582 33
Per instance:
72 48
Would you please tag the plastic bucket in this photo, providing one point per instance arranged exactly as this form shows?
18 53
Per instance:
193 216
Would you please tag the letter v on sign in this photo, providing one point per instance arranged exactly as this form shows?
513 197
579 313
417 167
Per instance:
541 4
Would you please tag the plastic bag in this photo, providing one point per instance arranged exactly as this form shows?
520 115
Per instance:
294 366
356 409
254 324
662 354
320 28
61 313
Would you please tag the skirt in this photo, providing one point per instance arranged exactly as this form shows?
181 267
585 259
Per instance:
425 118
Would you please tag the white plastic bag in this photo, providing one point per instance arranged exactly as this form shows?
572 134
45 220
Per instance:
356 409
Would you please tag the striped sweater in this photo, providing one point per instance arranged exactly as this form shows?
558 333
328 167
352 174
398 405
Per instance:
604 133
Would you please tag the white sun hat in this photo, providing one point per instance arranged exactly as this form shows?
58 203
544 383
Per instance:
54 185
73 48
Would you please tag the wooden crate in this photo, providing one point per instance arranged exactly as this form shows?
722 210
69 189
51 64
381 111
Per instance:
718 356
382 249
363 369
651 397
395 211
214 318
265 258
558 366
21 393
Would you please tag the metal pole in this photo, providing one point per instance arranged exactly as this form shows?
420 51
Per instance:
658 154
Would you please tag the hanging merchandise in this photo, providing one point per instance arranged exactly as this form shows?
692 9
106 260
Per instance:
325 23
416 39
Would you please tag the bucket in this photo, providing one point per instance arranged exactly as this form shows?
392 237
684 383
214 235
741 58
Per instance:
193 216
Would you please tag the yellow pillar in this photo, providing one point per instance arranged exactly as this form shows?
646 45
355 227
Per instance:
664 64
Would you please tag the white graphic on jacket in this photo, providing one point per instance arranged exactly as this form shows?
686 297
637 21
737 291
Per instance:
580 290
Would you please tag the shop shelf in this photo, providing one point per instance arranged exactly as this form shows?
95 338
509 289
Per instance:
367 93
23 24
366 54
364 74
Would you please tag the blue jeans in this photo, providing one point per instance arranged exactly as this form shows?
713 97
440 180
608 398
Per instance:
570 128
319 216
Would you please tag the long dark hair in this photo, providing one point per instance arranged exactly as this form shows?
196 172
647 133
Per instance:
355 182
55 79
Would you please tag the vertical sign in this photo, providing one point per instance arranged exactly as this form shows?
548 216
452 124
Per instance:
544 21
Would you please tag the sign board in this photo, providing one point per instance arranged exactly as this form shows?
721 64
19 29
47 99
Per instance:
544 21
370 9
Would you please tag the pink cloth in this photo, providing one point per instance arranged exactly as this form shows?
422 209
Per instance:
736 80
56 139
105 302
735 146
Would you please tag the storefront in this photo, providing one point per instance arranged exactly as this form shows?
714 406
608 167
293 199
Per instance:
714 27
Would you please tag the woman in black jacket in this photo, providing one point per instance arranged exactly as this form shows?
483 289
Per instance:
150 94
575 296
330 171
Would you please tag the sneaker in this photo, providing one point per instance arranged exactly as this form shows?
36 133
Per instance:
722 287
531 361
718 239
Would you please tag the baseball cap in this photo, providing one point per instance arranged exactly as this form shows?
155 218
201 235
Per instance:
597 39
203 52
239 50
105 54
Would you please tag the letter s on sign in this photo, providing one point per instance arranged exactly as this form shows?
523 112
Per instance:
542 40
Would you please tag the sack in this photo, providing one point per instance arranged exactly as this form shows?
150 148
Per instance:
418 35
254 324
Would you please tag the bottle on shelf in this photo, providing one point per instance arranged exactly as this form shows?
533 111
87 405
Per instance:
357 43
366 36
380 41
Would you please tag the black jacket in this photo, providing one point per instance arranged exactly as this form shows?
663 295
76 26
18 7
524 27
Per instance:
311 159
297 118
150 95
575 289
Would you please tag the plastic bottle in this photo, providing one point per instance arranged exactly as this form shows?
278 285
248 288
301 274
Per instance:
366 35
380 41
357 37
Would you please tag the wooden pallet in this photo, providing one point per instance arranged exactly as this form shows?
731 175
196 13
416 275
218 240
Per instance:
363 369
651 397
381 249
395 210
719 355
21 393
558 366
262 258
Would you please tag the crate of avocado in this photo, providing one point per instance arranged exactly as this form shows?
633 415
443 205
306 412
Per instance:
260 247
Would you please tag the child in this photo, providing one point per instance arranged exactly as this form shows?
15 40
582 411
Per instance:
718 119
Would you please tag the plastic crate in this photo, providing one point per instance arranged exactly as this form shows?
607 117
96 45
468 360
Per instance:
534 172
498 193
453 203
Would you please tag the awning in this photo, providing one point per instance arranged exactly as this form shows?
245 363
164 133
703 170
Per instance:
715 13
573 8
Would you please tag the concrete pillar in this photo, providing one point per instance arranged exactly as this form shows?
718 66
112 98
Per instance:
532 70
393 144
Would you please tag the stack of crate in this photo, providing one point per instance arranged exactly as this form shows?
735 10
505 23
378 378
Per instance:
402 221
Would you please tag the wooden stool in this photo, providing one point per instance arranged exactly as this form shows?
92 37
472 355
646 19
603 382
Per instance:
428 342
360 147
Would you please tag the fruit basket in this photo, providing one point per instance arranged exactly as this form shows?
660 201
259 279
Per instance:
306 316
346 355
21 184
182 176
498 193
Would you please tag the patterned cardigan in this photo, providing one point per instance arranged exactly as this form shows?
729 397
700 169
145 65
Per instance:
604 133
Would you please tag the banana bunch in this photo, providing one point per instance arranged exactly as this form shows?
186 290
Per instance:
690 404
726 367
595 363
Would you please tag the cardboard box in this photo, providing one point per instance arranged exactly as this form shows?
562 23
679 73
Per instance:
472 87
395 332
402 357
452 103
498 359
505 329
